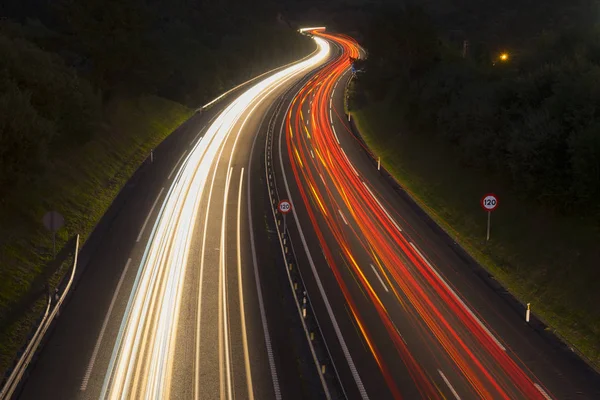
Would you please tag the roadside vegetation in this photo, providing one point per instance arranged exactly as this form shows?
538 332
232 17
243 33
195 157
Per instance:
454 125
87 88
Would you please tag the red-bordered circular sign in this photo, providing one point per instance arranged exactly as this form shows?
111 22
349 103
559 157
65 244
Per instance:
489 202
284 206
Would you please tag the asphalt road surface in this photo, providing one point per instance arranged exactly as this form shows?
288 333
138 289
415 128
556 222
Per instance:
404 315
183 293
170 302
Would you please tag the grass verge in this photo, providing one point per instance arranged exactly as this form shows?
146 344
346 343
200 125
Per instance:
80 185
546 259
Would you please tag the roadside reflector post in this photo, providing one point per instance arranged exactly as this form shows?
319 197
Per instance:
528 312
151 155
53 221
378 163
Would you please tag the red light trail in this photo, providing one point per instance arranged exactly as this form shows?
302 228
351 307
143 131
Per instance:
342 206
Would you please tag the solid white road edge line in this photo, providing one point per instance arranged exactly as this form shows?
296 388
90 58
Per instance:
149 214
201 281
383 208
458 298
349 163
176 164
261 302
193 142
336 327
224 304
90 367
542 391
241 292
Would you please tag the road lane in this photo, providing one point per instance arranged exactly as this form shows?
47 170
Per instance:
176 326
446 347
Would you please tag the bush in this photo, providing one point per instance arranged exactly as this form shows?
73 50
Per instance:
533 120
43 104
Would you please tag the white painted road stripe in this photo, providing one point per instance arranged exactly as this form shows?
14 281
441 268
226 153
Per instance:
456 396
542 391
335 134
379 277
458 298
90 367
383 208
312 154
176 164
241 292
261 303
336 326
349 163
149 214
201 131
342 215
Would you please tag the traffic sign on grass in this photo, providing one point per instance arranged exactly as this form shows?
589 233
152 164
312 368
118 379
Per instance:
489 202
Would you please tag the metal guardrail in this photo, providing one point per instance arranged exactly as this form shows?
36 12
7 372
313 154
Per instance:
320 353
16 376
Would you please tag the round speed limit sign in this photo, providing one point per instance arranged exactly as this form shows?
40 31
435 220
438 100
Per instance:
284 206
489 202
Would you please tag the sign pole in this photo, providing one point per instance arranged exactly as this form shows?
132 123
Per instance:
488 225
284 207
489 202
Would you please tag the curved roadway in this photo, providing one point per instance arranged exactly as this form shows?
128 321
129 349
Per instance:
403 314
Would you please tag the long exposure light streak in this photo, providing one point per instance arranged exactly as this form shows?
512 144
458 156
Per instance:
330 187
142 360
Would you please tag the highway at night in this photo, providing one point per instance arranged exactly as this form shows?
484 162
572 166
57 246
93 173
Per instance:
410 318
177 313
191 296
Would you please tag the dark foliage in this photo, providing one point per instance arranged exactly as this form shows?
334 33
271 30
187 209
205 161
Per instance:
534 118
62 62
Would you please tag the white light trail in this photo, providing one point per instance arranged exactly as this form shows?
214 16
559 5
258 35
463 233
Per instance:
142 358
316 28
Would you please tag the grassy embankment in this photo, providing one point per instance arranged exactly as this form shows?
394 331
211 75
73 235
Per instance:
540 257
81 186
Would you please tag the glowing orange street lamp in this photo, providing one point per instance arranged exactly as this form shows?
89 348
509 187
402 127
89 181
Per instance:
504 57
